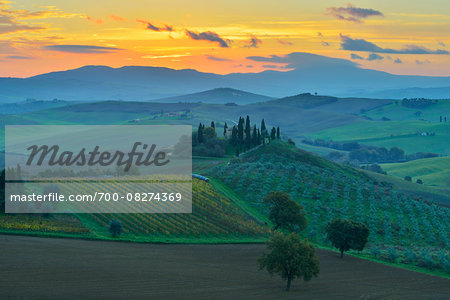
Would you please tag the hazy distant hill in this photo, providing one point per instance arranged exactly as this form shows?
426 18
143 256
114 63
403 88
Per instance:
331 104
31 105
218 96
414 92
307 73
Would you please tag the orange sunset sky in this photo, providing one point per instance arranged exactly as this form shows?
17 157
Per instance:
401 37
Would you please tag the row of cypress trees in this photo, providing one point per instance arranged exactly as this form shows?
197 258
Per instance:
244 135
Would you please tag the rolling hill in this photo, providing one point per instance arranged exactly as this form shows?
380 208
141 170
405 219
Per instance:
30 105
218 96
330 104
432 171
406 135
398 112
298 115
403 227
214 218
293 117
413 92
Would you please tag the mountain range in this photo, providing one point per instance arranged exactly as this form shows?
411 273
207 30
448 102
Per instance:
305 73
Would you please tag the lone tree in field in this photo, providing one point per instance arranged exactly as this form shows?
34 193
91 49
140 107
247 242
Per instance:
115 228
346 235
284 212
290 257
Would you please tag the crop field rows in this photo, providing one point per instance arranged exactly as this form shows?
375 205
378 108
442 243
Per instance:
212 215
402 229
27 223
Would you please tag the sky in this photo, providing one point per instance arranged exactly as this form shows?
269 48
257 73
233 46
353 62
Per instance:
400 37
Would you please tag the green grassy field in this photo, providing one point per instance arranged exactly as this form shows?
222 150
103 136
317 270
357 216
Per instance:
318 150
403 134
396 111
432 171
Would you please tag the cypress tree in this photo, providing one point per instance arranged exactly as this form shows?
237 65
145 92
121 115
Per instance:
278 133
248 136
254 137
263 131
234 137
225 127
213 125
241 132
273 133
200 133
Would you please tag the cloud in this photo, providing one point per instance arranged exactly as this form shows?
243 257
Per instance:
270 58
285 42
13 18
355 56
441 43
398 61
10 24
12 21
420 62
117 18
204 36
80 48
274 67
19 57
51 12
53 37
166 56
271 66
347 43
304 60
95 21
254 42
352 13
150 26
211 57
374 56
324 43
207 36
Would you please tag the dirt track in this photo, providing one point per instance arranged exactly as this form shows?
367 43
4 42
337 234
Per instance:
48 268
